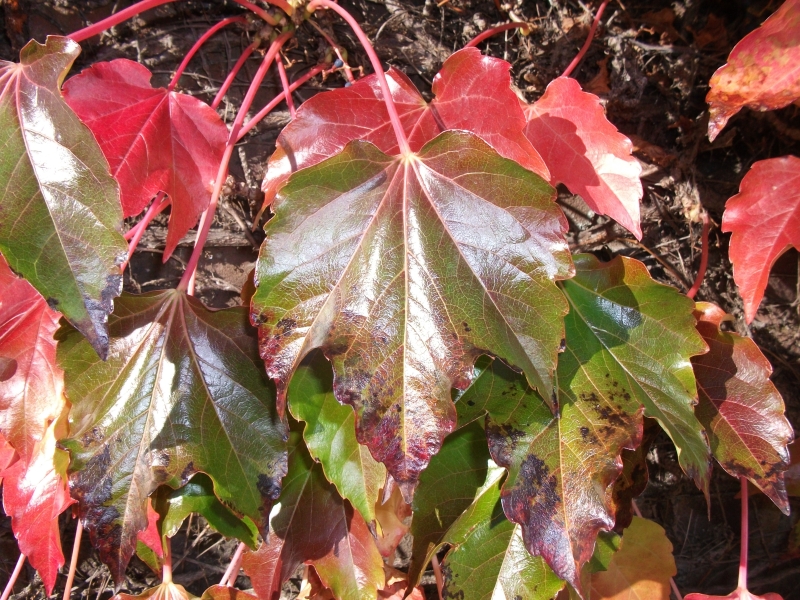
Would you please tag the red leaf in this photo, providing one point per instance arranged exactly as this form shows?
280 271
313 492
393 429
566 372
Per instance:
154 140
762 72
7 455
740 408
150 536
31 388
764 218
473 93
585 152
737 594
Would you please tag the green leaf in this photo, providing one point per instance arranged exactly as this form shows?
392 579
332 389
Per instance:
60 216
182 391
446 488
489 558
403 270
311 524
197 496
606 546
330 435
148 557
632 338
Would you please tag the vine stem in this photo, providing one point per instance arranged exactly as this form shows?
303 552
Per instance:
701 272
287 93
399 132
576 61
203 39
187 281
14 575
166 571
229 578
494 31
745 536
137 231
232 75
73 561
125 14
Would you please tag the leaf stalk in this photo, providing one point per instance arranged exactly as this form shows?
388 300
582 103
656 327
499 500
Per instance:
582 52
701 272
73 561
492 31
14 576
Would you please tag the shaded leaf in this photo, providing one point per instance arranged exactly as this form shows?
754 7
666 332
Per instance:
762 72
604 549
390 519
181 392
59 215
197 496
792 474
585 152
155 140
640 569
330 435
148 557
472 93
224 592
741 409
312 524
633 479
737 594
489 559
764 218
446 489
396 586
403 271
31 397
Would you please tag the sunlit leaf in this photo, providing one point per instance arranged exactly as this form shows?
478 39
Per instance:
59 214
604 549
150 536
224 592
390 518
155 140
403 271
740 408
164 591
182 391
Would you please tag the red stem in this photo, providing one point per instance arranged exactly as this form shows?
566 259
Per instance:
588 42
166 569
203 39
283 5
745 534
73 561
277 100
232 75
159 204
437 574
287 92
229 578
186 284
123 15
701 272
14 575
399 132
494 31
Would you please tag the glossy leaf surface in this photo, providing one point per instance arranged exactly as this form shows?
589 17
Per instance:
762 72
489 560
59 214
181 392
472 93
330 435
198 496
155 140
741 409
585 152
640 569
764 218
31 395
313 525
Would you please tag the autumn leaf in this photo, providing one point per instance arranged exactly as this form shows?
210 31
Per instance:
313 525
764 218
164 591
182 391
390 519
403 270
737 594
472 93
762 72
585 152
60 219
7 455
224 592
633 479
154 139
640 569
330 435
150 536
741 410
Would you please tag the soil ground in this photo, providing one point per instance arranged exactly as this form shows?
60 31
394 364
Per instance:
650 62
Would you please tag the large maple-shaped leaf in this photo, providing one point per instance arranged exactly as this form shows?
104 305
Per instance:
489 559
34 495
315 526
154 139
330 434
30 397
182 391
403 270
640 569
764 218
472 92
740 408
59 212
585 152
762 72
